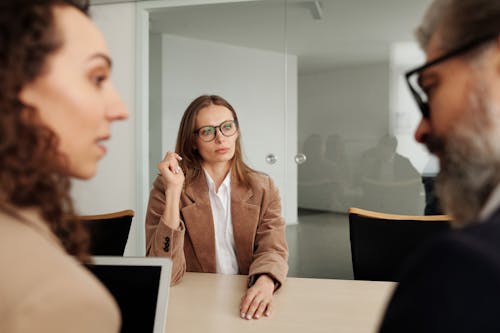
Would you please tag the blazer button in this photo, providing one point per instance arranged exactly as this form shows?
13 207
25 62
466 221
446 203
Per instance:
166 246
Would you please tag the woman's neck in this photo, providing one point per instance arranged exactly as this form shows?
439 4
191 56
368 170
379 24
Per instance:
218 172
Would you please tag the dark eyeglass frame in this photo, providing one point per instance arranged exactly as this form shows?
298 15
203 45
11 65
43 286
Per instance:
424 106
233 121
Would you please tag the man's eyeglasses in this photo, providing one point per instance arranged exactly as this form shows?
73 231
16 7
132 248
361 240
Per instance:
208 133
412 76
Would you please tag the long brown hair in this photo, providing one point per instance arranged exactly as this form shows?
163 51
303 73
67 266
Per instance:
186 139
30 165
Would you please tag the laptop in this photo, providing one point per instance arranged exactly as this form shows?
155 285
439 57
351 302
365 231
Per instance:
140 286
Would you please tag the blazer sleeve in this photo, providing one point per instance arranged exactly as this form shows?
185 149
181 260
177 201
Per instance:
270 249
161 240
452 287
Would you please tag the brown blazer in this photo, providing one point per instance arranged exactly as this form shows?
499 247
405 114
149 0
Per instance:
259 229
42 289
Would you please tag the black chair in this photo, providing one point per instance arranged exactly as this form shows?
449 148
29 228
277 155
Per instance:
108 232
380 242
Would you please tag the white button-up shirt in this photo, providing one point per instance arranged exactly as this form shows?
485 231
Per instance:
220 202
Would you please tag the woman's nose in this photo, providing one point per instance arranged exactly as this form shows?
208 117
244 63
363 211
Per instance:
116 109
218 134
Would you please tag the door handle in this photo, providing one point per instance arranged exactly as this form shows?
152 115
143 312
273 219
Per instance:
300 158
271 159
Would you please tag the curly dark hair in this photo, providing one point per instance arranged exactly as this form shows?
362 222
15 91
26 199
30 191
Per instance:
30 166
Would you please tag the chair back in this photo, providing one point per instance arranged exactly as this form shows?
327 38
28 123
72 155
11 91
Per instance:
380 243
108 232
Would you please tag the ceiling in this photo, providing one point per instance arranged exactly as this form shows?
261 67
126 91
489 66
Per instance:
350 31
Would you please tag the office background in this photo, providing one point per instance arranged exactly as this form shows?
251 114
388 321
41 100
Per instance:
320 81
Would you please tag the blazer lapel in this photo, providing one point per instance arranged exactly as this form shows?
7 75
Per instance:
199 223
245 217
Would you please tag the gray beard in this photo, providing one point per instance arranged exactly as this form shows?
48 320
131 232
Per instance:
470 161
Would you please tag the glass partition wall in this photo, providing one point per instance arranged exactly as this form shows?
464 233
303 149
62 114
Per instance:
353 126
323 106
355 122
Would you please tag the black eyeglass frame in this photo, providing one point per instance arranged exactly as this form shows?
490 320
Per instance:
233 121
424 106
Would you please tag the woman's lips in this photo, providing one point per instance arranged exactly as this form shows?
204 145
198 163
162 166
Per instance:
100 144
222 150
102 148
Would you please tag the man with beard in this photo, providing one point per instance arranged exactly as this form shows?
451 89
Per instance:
453 283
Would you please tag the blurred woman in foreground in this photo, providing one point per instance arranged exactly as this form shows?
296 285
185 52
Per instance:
56 107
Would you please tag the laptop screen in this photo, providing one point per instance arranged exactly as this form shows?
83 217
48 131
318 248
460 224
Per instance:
140 287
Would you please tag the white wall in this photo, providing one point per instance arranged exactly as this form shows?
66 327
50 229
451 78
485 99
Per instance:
114 187
253 81
405 114
155 104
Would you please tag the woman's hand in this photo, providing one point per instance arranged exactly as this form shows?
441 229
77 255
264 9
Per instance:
258 299
173 181
171 172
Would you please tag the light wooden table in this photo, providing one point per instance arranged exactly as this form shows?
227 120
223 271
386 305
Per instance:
210 303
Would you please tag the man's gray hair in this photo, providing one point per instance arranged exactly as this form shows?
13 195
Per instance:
459 22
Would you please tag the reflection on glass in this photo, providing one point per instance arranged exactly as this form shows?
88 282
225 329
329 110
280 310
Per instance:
389 181
325 175
379 179
351 94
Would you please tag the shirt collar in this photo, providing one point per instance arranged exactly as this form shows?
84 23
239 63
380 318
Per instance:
211 184
491 205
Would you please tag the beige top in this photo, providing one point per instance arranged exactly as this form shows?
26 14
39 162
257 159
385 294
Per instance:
42 289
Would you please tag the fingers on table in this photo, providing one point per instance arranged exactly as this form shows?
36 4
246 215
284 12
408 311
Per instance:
254 307
269 309
261 309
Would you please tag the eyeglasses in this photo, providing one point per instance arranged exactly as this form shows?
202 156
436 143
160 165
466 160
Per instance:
208 133
413 76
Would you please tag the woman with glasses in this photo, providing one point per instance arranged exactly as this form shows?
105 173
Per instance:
210 212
